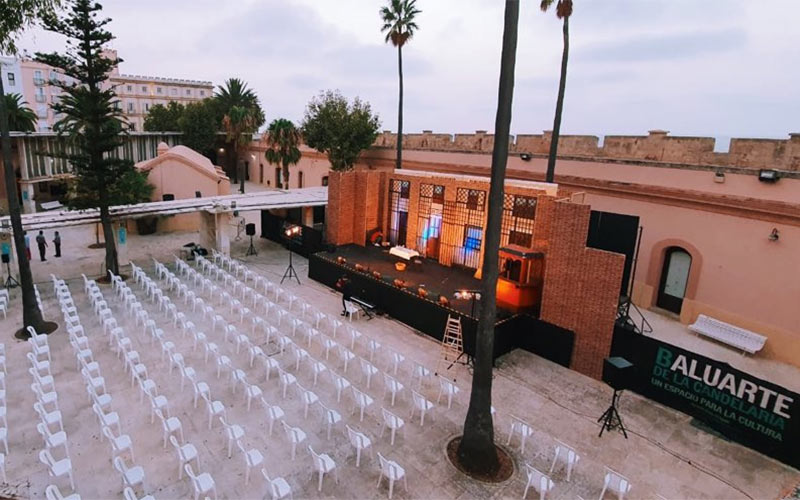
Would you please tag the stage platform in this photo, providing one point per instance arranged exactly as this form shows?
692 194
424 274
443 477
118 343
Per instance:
426 314
434 277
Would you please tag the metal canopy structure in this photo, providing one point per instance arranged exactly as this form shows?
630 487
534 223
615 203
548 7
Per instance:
263 200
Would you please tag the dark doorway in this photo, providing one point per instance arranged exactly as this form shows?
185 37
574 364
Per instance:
261 173
299 179
278 183
674 278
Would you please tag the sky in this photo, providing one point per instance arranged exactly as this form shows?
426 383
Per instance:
720 68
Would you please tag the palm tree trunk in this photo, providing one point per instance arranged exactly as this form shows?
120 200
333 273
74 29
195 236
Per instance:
562 84
399 163
286 176
31 315
476 452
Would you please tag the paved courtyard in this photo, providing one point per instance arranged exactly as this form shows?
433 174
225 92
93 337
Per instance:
665 455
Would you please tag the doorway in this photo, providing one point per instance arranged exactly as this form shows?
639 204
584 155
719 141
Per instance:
674 278
261 173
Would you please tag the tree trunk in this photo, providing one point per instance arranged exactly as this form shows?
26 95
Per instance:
112 264
476 452
242 174
286 176
399 163
562 84
31 315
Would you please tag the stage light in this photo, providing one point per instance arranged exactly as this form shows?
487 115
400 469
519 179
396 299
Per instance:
468 295
292 230
768 175
525 156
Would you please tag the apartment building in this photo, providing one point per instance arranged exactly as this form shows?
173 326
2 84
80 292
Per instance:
137 94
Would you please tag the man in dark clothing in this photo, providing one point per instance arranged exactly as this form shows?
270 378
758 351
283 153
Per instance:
41 242
344 285
57 244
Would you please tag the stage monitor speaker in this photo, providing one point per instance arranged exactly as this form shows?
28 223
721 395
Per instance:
250 229
617 372
6 258
168 197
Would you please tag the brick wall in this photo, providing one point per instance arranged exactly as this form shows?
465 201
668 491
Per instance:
353 206
657 146
581 287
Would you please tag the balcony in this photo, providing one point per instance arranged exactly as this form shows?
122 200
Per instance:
38 80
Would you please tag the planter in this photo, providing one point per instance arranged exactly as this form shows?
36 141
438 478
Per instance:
400 266
422 292
443 300
341 260
399 283
359 268
376 275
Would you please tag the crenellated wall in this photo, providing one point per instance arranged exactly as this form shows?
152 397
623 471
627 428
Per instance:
657 146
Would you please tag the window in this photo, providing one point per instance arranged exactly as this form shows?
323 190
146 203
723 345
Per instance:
475 199
147 107
202 93
53 76
299 179
159 90
144 88
472 237
133 127
37 75
43 126
40 97
174 91
325 181
519 213
188 91
130 107
130 88
12 80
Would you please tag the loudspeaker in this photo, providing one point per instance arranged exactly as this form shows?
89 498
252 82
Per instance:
250 229
168 197
617 372
6 258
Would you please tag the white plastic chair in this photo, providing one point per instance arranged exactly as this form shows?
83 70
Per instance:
295 435
202 483
51 440
53 493
539 481
119 443
131 476
252 458
323 464
214 409
317 367
616 483
308 397
340 383
186 454
368 370
448 388
523 428
286 378
345 356
274 412
57 469
422 405
393 423
362 401
567 456
233 431
360 442
392 471
392 385
330 417
170 425
278 487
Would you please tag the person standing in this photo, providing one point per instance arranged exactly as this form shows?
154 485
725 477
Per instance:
41 242
57 244
27 245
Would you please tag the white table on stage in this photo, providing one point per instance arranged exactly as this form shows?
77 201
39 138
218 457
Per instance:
403 253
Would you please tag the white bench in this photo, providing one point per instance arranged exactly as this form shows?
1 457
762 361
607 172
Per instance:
51 205
726 333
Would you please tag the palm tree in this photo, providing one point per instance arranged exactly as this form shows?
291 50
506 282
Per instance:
476 452
399 25
282 139
20 117
563 11
241 114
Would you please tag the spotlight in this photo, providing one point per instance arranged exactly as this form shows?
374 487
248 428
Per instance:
468 295
526 156
774 235
292 230
768 175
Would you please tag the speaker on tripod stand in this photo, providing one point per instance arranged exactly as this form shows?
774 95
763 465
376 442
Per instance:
10 281
617 372
250 230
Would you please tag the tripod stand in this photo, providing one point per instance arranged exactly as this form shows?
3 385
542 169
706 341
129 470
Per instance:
610 418
10 281
290 272
251 250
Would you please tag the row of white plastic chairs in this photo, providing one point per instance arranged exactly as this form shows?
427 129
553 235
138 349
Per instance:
171 426
5 300
330 416
235 433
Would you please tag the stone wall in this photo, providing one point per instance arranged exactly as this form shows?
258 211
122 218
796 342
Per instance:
658 146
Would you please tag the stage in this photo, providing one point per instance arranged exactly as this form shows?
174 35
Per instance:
426 314
435 278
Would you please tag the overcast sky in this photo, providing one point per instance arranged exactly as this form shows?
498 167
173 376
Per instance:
713 67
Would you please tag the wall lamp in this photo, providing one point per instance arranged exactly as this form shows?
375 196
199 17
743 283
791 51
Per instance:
774 235
768 175
526 156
